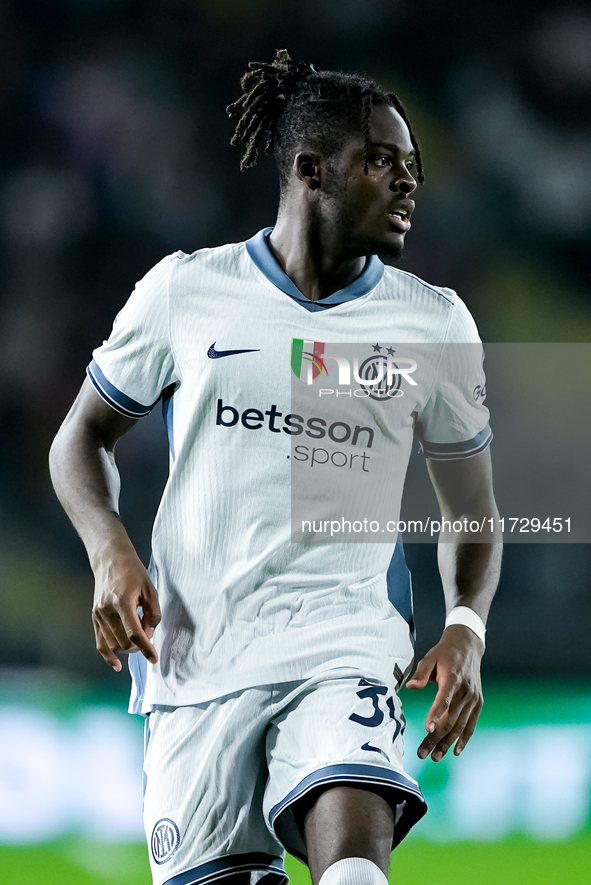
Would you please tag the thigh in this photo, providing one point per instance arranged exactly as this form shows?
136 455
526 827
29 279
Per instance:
347 821
205 774
346 730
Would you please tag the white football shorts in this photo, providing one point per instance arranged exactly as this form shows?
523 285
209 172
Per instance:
221 778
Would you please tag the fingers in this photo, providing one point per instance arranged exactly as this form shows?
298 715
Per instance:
457 724
442 746
426 670
113 629
118 626
106 644
442 703
151 615
468 730
136 635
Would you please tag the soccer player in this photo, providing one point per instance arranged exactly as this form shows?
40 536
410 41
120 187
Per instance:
268 670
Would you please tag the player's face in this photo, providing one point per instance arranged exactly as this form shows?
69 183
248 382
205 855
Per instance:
372 210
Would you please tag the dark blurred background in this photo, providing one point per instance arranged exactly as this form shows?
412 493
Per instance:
114 148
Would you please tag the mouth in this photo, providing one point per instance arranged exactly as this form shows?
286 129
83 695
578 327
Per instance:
401 218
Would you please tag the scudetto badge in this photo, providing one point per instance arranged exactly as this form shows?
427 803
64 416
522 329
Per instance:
165 840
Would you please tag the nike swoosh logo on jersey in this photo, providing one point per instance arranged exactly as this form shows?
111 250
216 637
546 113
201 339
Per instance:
214 354
368 746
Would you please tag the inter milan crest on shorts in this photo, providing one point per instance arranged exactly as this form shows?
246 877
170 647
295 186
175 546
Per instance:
165 840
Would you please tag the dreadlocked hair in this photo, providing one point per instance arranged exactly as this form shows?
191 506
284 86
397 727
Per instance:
286 103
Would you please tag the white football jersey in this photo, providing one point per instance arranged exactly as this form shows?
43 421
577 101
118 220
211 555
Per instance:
213 334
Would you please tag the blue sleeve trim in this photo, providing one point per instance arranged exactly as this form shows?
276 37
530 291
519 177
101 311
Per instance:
115 398
255 861
458 450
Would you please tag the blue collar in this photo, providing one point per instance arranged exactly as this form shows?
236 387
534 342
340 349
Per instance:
259 250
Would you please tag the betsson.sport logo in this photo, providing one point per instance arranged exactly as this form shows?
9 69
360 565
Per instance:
379 377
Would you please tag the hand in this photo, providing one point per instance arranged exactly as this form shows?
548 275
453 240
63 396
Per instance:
454 664
121 585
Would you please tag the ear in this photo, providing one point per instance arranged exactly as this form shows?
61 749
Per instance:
307 167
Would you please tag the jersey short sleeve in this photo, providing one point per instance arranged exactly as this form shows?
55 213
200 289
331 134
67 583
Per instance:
132 368
453 423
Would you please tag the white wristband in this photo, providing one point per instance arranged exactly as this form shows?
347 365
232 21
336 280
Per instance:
461 614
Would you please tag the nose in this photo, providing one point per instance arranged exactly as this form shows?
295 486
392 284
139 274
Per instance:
403 181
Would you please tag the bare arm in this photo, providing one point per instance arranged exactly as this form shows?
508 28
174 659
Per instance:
86 481
470 574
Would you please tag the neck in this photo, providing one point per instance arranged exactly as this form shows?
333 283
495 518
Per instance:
309 254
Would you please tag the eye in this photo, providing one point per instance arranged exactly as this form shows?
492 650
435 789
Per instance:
382 160
410 164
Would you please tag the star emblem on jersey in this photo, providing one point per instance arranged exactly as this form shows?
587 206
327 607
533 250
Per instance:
214 354
165 840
